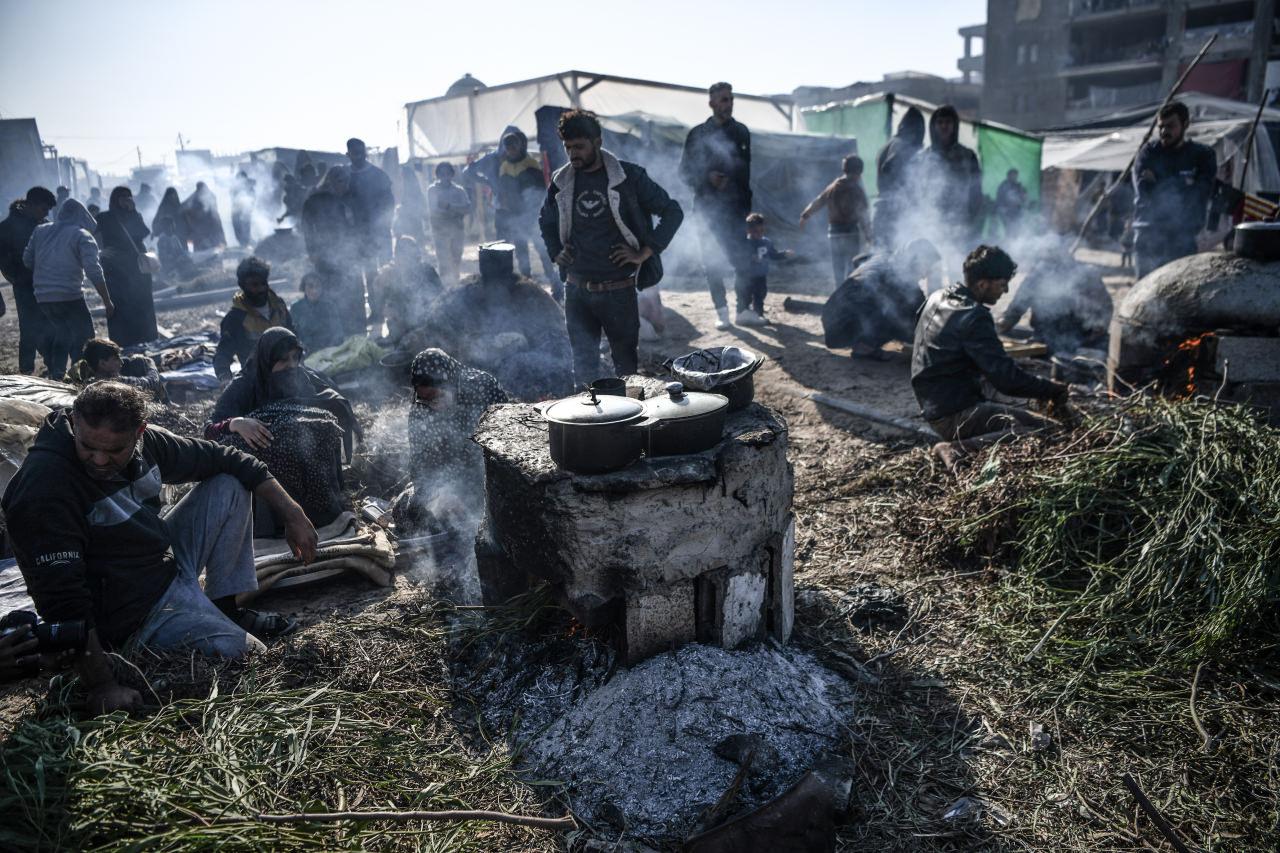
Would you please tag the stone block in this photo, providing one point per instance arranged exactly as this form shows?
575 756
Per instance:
782 588
1248 359
657 620
743 610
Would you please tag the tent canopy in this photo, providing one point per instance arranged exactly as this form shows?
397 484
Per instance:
1108 144
463 124
872 118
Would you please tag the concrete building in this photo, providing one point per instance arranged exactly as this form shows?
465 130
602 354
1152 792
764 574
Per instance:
964 94
1048 64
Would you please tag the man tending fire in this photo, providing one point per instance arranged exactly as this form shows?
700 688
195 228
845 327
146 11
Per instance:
956 346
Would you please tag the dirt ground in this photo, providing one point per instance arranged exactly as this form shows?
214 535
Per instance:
942 719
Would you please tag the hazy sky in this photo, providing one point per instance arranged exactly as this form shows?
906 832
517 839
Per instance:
102 78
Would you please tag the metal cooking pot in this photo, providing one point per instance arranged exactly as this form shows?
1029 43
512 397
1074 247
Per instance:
1257 240
687 421
595 434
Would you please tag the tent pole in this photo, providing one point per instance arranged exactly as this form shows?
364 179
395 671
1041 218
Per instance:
1088 220
1248 145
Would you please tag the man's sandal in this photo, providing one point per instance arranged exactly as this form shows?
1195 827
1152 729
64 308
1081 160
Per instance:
266 625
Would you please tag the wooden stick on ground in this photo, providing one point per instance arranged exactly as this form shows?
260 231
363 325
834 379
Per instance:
1206 740
875 415
554 823
1151 129
1158 819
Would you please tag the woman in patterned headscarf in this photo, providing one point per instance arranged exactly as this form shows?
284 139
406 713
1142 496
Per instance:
447 466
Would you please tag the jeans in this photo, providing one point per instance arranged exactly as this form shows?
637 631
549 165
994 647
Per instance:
844 247
985 418
211 529
70 326
586 315
34 333
727 230
751 291
1153 248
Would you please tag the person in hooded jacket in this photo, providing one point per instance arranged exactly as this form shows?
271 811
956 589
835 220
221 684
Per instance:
951 181
60 255
895 165
120 235
518 187
203 221
254 309
34 334
170 211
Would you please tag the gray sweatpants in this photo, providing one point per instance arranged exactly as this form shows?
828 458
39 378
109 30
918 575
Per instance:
212 530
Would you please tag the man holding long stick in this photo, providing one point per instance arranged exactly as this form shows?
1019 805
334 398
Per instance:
1173 177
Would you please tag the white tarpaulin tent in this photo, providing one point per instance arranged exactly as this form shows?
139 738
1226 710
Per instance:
462 124
1217 122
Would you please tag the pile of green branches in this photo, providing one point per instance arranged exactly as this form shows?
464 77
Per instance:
1151 539
355 718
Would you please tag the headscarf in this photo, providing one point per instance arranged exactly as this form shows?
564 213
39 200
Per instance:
441 438
120 229
257 385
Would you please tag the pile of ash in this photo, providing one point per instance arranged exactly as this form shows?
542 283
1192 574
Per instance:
651 749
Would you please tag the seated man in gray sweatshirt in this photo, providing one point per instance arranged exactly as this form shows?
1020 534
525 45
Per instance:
84 516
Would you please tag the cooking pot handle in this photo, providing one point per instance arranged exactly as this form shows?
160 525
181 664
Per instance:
650 423
543 405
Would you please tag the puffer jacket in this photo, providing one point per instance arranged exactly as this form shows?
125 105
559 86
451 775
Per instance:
62 253
955 346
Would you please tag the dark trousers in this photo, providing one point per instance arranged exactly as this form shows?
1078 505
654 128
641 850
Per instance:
1153 248
750 290
586 315
34 334
71 327
844 247
728 245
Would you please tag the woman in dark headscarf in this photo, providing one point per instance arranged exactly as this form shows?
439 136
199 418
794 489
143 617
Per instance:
293 420
894 168
201 212
120 234
169 220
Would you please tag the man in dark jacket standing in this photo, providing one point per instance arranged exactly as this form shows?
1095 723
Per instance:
716 165
15 232
597 223
84 510
254 309
372 204
956 346
952 182
1173 178
895 180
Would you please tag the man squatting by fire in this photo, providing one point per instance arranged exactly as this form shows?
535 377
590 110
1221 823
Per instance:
597 223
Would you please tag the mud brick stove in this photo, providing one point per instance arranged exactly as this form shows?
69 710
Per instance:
670 550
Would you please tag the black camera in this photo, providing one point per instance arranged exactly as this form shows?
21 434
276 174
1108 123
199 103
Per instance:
51 637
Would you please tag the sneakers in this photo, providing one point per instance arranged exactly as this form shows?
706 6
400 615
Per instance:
747 317
647 331
723 322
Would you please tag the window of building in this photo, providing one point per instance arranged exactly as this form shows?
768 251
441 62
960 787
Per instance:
1033 54
1022 54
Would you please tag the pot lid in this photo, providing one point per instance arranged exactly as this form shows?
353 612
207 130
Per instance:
678 403
592 409
1258 226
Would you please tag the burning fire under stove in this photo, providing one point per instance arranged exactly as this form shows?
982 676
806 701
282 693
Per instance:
1204 324
666 551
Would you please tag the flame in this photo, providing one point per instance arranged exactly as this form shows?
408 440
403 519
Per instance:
1188 353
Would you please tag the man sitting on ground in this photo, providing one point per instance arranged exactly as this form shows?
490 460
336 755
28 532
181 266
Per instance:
879 300
254 309
84 516
956 345
1069 304
103 361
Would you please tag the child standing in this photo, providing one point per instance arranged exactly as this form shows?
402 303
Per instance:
751 292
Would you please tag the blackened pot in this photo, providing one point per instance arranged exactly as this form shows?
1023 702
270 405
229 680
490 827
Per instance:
1257 240
596 434
685 421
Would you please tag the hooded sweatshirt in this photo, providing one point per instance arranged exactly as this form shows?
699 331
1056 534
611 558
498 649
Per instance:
953 174
61 253
98 550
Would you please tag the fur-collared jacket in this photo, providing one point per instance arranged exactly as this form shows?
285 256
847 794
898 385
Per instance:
634 200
